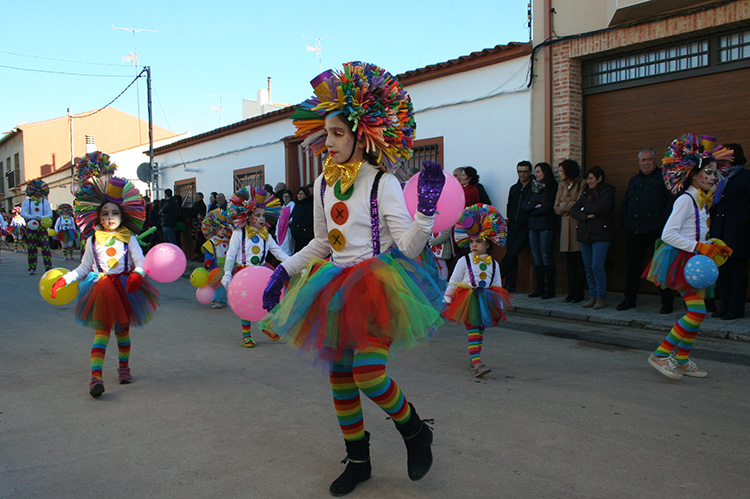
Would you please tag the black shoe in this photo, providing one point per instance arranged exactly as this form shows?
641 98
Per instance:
418 439
568 299
665 309
548 295
720 313
711 305
536 294
510 289
358 468
625 305
576 299
730 316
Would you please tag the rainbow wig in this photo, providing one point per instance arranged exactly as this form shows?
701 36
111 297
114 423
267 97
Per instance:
246 200
215 220
98 191
686 153
480 221
372 100
94 164
37 189
64 209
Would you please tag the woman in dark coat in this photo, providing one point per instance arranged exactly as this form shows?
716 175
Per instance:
471 172
539 206
302 219
595 232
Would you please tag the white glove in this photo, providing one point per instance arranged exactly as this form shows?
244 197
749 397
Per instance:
447 299
226 280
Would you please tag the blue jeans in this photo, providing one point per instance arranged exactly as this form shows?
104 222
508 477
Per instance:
170 235
594 255
540 242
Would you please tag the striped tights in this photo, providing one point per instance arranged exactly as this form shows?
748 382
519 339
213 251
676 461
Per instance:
476 338
99 348
683 333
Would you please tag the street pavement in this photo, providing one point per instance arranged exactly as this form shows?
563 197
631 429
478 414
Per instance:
571 409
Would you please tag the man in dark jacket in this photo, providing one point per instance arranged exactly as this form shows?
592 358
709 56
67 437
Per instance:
730 222
170 212
645 209
517 225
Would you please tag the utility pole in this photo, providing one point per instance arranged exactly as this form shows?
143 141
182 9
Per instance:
154 174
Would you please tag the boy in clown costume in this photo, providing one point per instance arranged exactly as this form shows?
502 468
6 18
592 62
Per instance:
65 230
115 293
250 210
475 295
17 228
38 214
217 230
371 295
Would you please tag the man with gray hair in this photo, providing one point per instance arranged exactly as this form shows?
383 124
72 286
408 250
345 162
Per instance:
645 209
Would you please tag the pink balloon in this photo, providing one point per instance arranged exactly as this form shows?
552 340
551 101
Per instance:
165 262
450 204
245 293
205 294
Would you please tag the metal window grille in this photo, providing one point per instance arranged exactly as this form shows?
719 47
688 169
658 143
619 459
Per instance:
427 152
2 179
187 193
734 47
310 166
249 179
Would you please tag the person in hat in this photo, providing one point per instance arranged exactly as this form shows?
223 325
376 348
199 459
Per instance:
690 169
114 292
37 212
217 229
17 228
475 296
250 212
372 295
65 230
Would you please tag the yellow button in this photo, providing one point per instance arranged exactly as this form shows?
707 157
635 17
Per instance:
256 250
483 275
336 239
112 262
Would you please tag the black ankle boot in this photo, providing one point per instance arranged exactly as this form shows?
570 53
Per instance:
358 467
418 439
539 275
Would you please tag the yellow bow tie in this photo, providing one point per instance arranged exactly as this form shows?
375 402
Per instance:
705 199
250 232
347 172
486 259
103 237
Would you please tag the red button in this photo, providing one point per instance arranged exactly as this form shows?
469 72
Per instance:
340 213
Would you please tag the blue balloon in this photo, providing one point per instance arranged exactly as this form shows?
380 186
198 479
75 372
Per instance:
701 272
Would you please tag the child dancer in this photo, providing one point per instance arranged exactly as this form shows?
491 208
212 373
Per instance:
217 230
249 210
3 226
17 228
114 293
441 245
372 295
65 229
690 169
38 214
475 295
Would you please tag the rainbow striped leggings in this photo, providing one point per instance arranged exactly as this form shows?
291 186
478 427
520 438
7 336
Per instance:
683 333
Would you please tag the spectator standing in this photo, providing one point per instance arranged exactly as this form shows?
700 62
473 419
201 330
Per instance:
283 227
221 201
212 204
730 219
539 205
302 219
471 172
645 209
518 225
279 190
197 213
568 192
595 231
170 211
471 193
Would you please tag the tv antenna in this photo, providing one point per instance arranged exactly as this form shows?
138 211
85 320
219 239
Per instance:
317 48
220 107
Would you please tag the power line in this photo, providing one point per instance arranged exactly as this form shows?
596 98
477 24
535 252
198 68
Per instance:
60 60
62 72
110 102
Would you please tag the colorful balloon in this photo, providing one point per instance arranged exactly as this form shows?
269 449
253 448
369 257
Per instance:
245 293
450 204
701 271
165 262
65 295
205 294
214 277
199 277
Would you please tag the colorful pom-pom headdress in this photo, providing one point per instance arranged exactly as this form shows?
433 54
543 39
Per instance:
37 189
480 221
94 164
98 191
689 152
372 100
243 202
65 209
215 220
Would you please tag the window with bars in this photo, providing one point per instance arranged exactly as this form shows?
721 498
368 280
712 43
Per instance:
186 190
734 47
249 177
2 178
14 175
424 150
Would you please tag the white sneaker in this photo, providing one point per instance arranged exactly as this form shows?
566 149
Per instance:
215 304
665 365
691 369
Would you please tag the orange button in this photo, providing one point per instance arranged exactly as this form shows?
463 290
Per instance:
111 251
340 213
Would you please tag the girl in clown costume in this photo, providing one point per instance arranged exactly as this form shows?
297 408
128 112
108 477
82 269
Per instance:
249 210
217 230
371 295
17 228
65 230
475 296
115 293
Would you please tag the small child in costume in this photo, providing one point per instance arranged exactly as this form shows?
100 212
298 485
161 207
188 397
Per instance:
441 245
3 225
217 230
66 232
114 293
249 210
17 228
475 295
38 214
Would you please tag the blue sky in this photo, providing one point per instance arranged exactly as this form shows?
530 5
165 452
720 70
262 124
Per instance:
205 53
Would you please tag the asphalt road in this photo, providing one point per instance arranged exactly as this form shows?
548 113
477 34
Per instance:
569 410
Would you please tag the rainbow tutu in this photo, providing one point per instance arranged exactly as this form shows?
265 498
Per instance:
667 268
103 302
479 307
66 235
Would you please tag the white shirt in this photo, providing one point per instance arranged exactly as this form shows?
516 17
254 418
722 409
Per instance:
65 223
255 251
344 230
36 210
485 276
110 263
679 230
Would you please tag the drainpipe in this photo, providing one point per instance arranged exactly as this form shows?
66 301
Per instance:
548 84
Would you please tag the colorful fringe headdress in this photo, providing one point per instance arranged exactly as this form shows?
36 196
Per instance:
215 220
94 164
243 202
65 209
378 107
37 189
100 190
480 221
689 152
17 210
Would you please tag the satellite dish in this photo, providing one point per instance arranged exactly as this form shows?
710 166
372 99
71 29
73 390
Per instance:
144 172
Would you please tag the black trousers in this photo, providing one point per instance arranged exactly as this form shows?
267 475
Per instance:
733 285
640 249
516 240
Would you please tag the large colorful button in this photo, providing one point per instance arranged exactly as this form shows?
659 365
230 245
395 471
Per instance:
482 284
342 195
483 275
483 266
255 239
111 251
112 262
336 239
340 213
255 260
256 250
